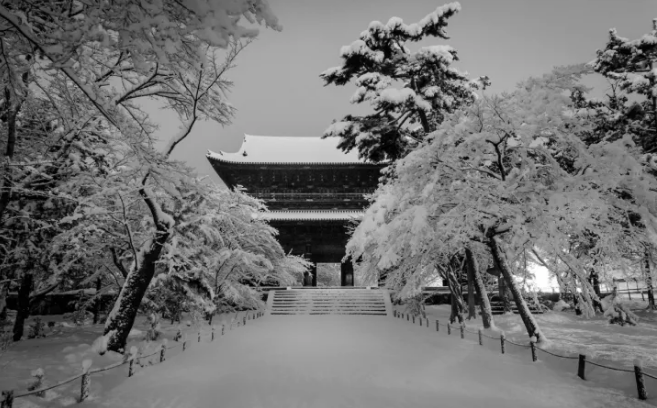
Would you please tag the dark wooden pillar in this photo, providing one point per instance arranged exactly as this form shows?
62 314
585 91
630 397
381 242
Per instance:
313 272
347 273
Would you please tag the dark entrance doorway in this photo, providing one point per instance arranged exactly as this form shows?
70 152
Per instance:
346 274
327 274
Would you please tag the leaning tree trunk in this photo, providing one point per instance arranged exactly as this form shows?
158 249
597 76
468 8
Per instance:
525 314
649 285
23 309
480 287
594 280
456 297
121 319
472 312
503 292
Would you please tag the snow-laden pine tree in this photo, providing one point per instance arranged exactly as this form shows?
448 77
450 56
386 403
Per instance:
112 56
631 66
503 176
410 91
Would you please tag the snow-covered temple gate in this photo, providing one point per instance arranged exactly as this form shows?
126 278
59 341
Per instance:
312 189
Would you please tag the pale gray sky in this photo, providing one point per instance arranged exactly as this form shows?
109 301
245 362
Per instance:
278 91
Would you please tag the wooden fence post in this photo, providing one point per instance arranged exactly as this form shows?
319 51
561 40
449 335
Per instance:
502 338
7 399
131 367
407 317
581 367
212 333
427 319
481 340
462 331
131 363
199 336
437 325
223 326
86 380
244 321
413 319
449 329
640 385
184 341
420 321
163 350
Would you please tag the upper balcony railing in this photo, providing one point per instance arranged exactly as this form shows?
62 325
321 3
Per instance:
309 196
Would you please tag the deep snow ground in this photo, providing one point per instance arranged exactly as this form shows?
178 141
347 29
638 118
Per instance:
353 361
569 334
62 352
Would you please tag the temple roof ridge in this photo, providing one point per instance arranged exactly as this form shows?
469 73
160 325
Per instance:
287 150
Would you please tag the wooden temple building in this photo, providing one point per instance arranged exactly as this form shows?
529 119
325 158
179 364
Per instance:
313 190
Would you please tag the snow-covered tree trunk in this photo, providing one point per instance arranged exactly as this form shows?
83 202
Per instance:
525 314
97 301
458 308
649 284
504 294
6 186
4 293
472 312
123 315
23 305
484 303
595 282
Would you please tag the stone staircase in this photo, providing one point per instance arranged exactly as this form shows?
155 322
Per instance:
497 307
329 301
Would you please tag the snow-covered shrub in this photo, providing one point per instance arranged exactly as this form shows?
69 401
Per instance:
560 306
100 345
618 311
154 331
415 306
38 382
5 341
37 329
79 317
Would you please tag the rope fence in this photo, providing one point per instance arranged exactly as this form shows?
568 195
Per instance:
8 396
639 374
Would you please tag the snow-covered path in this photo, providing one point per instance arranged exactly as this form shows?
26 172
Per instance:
351 361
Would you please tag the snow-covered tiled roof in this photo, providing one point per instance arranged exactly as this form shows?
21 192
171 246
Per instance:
287 149
314 215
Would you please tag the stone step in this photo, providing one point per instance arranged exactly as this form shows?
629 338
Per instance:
329 302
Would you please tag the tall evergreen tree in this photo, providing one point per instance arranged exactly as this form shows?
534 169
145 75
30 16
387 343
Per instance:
632 66
410 91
